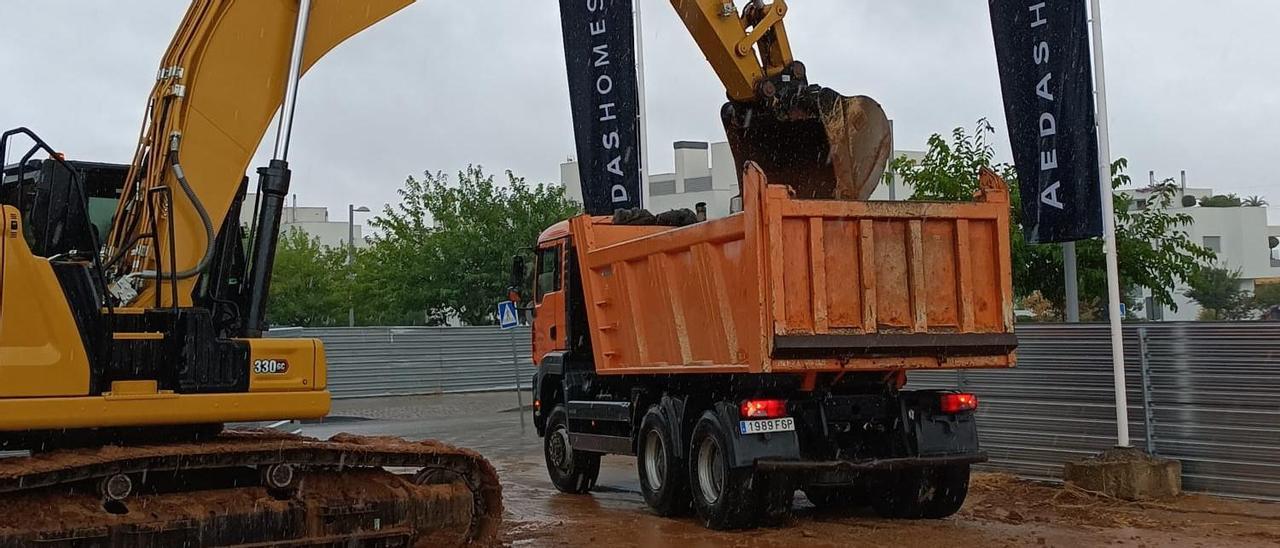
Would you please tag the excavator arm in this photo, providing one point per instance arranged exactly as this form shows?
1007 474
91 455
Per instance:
730 41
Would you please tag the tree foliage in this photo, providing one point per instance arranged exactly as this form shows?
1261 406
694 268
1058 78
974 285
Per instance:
1266 297
309 285
1218 292
1154 250
1220 200
445 250
1254 201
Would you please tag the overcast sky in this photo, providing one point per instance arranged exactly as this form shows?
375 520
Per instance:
1192 85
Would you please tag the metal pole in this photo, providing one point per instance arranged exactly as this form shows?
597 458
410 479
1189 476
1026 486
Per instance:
291 85
644 120
1109 231
515 364
893 180
351 259
1072 306
1148 414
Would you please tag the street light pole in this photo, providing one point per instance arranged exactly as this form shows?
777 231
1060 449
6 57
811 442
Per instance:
351 260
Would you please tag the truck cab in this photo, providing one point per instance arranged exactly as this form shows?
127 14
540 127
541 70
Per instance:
549 303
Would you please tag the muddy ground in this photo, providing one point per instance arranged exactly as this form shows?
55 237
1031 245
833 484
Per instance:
1001 510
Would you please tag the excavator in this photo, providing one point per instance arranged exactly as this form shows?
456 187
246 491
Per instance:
133 303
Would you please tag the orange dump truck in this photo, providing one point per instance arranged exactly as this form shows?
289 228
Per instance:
743 358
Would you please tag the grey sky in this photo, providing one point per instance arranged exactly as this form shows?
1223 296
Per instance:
1192 84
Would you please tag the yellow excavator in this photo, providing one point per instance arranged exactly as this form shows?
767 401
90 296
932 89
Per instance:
133 303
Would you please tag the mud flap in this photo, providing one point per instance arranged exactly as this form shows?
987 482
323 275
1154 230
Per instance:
930 432
746 449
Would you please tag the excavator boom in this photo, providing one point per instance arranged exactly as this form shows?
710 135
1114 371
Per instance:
204 116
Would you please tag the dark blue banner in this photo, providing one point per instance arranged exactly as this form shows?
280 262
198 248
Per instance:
1042 49
599 53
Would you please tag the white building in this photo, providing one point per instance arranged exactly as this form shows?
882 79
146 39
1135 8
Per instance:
706 173
312 220
1240 236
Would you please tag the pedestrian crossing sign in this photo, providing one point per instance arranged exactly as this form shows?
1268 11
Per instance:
507 317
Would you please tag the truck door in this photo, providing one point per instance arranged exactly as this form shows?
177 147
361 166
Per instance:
549 303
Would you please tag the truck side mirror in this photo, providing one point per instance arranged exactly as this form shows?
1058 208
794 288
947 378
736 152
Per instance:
517 278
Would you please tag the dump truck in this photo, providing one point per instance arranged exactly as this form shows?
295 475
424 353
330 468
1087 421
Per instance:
742 358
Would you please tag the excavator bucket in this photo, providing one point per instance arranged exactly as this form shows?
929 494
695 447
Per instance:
824 144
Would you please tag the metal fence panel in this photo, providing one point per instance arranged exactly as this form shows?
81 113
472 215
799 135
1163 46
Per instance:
403 361
1214 398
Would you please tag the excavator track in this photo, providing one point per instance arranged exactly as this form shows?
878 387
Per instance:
252 488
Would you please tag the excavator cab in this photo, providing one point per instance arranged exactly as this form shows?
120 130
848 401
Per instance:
67 206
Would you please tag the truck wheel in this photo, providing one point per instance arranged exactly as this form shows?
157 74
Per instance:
572 472
835 498
922 493
721 494
663 479
951 486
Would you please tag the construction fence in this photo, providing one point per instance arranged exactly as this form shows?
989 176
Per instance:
405 361
1205 393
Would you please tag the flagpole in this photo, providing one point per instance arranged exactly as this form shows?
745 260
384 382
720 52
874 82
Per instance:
1109 231
644 120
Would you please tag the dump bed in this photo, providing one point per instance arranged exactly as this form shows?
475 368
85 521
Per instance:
791 285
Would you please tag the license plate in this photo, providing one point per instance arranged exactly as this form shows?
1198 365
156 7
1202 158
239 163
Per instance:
785 424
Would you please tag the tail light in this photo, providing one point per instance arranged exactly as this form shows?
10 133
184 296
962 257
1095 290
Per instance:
763 409
958 402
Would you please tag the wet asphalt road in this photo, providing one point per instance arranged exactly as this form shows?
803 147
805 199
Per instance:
1001 511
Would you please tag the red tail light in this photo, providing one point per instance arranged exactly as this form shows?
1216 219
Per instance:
763 409
953 403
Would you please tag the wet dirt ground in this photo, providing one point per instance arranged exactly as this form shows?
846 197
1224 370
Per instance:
1001 510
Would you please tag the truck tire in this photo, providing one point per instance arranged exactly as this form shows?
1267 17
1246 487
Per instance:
932 493
663 478
572 472
722 495
836 499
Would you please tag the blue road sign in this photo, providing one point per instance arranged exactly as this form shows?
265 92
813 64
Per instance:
507 316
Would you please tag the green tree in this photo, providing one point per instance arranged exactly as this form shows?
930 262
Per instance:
445 250
309 284
1218 292
1154 250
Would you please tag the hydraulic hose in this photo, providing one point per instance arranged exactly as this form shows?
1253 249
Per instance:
207 257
